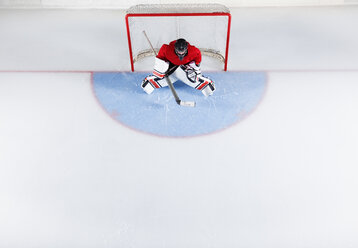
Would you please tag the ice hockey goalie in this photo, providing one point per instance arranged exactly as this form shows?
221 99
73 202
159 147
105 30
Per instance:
178 54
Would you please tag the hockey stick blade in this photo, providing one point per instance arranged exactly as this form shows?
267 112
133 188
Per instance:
186 104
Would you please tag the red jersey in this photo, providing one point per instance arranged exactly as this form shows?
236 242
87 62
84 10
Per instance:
167 53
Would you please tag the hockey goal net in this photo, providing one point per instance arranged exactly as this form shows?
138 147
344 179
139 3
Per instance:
206 26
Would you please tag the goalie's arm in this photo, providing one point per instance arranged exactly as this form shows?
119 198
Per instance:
162 52
197 57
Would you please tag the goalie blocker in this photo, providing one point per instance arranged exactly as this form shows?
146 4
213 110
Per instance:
181 54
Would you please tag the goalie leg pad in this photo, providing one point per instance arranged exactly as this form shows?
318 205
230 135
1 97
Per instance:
208 90
206 85
150 83
147 87
160 68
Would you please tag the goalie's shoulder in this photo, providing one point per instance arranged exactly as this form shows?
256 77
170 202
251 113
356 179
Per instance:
193 49
163 51
164 48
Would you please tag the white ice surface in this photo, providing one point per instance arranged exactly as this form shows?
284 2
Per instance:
286 176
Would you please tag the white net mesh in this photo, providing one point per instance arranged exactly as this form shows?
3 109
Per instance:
206 27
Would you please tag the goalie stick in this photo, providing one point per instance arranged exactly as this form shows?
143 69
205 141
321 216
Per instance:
170 84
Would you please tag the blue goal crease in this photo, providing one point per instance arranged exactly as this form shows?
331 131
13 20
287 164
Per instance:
236 95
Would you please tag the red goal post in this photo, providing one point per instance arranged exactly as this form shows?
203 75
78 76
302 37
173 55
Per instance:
206 26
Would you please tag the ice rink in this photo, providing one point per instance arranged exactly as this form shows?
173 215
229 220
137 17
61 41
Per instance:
71 175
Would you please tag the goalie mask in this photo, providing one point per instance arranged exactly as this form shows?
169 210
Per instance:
181 48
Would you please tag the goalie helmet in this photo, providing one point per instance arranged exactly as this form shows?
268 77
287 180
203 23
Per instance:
181 48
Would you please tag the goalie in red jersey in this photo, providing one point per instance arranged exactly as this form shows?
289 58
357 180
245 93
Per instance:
179 53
